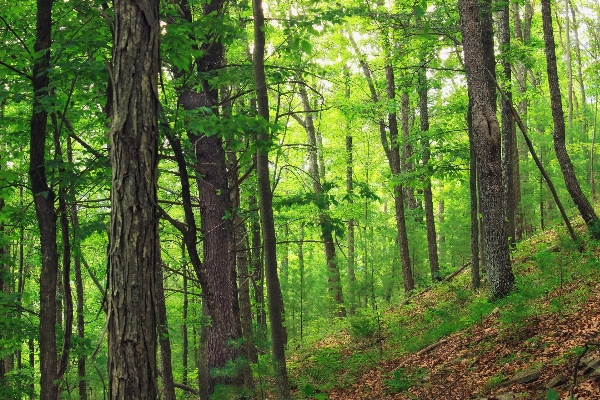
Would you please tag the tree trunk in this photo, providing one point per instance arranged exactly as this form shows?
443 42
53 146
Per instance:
134 247
569 68
582 203
407 150
391 149
333 277
43 197
434 265
510 156
486 135
394 161
275 302
258 270
166 367
81 357
351 222
475 272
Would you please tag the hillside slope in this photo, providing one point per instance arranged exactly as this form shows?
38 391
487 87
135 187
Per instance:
451 344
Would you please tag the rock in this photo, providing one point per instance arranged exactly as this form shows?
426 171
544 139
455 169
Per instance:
525 377
590 364
557 381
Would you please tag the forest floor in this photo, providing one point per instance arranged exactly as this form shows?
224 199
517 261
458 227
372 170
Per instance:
530 345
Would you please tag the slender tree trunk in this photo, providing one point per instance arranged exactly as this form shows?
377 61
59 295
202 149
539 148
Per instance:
79 292
166 367
407 149
351 223
184 328
432 251
258 270
63 214
569 68
394 161
391 149
582 203
133 252
333 278
275 302
486 135
510 156
474 205
579 70
43 197
522 29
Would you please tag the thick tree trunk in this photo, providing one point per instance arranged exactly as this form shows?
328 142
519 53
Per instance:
43 197
275 301
486 135
134 247
582 203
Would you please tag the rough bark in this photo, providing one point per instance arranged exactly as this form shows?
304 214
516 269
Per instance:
486 135
43 197
585 208
275 301
134 246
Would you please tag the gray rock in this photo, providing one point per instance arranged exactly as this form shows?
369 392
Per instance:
557 381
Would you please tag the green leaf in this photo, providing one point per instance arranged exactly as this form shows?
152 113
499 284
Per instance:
306 46
552 395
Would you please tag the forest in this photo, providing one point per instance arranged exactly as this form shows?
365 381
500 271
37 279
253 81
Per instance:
270 199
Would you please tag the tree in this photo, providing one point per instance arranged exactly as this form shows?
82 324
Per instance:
585 208
43 197
486 135
134 246
275 300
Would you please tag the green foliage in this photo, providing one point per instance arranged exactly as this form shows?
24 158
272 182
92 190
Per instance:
364 325
405 378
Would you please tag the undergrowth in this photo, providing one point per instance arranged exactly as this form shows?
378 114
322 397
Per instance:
551 276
